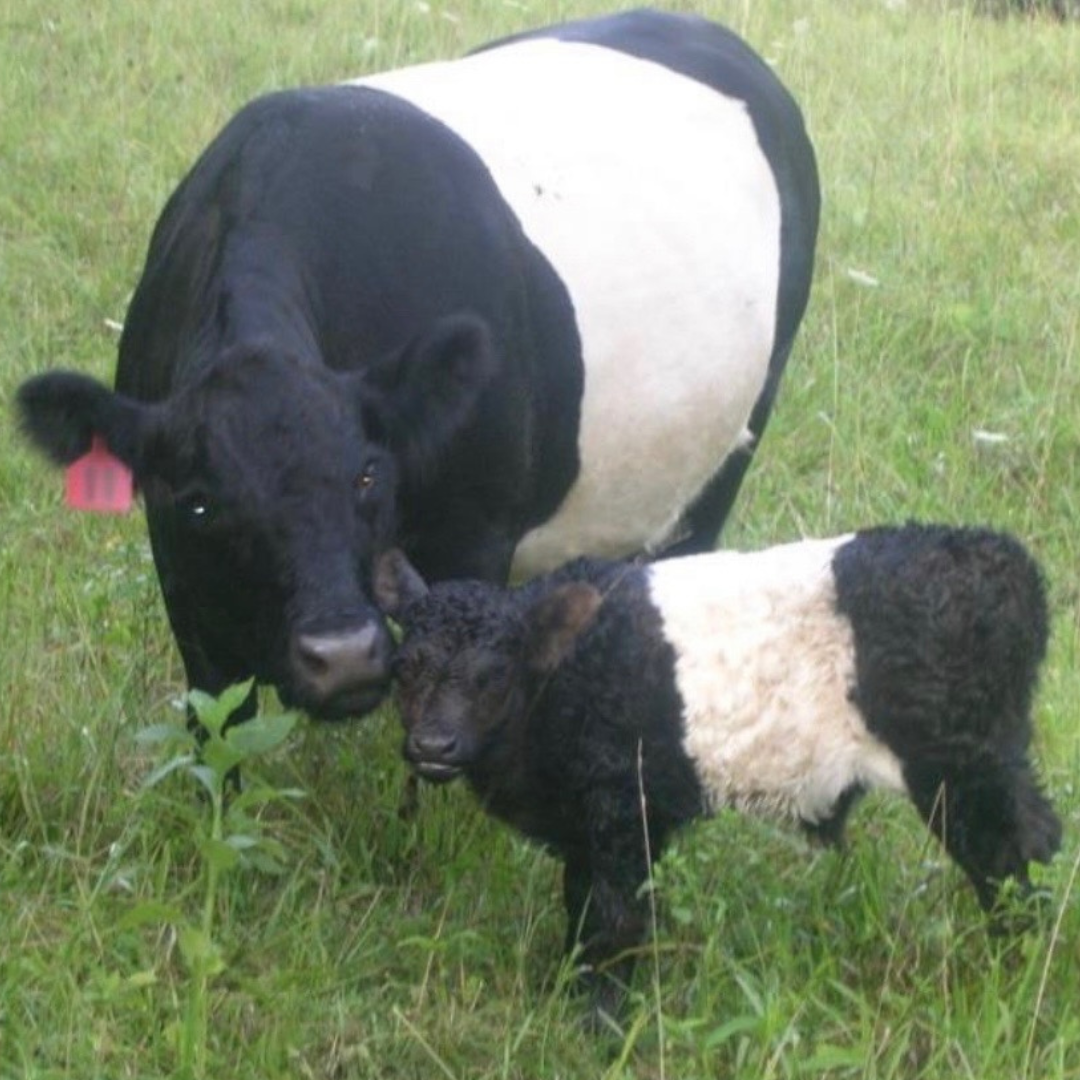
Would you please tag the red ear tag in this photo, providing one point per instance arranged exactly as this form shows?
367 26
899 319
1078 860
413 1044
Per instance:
99 482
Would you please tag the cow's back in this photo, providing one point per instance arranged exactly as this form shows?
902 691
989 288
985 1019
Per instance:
645 156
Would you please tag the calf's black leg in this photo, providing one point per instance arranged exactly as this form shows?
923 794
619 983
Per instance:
577 884
607 916
989 814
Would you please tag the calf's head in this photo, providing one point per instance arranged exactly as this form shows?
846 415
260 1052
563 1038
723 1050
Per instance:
270 486
472 658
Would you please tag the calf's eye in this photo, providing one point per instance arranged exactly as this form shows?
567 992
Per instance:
488 676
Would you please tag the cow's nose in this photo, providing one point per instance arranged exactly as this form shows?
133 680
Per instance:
335 664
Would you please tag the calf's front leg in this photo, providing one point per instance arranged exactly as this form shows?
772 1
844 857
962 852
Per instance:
607 917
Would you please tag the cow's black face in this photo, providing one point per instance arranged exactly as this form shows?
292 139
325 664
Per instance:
270 486
271 501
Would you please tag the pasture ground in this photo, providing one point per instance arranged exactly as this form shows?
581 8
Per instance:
937 377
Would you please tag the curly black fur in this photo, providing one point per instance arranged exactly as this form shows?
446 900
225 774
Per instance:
950 629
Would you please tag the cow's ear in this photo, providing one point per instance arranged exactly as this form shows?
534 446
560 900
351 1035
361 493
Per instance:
418 399
396 583
61 411
555 621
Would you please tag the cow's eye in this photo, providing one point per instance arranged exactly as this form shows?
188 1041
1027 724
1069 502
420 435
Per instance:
197 509
367 478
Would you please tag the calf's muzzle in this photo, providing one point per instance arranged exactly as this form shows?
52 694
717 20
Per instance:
436 754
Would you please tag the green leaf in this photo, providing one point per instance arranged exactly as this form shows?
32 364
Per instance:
167 768
261 734
159 734
738 1025
199 951
262 853
150 911
241 842
274 848
206 709
209 778
256 794
220 756
213 712
218 853
263 862
239 822
828 1058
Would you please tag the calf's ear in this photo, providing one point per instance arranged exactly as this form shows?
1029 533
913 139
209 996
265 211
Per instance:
418 399
60 412
396 583
553 623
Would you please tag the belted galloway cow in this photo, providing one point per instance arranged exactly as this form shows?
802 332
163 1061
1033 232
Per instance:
497 311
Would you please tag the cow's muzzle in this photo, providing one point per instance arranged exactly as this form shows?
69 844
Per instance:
341 672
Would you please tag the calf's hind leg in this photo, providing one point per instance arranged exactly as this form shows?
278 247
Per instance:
989 814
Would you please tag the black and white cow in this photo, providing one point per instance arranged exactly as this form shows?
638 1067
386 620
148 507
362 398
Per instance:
786 682
498 311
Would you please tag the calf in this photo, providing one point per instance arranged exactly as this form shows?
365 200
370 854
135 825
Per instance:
787 681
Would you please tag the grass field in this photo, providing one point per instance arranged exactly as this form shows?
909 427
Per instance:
937 376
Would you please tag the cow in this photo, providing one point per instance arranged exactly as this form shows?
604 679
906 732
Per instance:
602 706
498 311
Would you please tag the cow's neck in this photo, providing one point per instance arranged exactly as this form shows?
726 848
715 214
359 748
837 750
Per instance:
263 298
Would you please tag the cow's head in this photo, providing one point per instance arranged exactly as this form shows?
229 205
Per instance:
472 657
270 486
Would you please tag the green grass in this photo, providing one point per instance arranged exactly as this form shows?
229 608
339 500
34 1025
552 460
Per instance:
946 303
